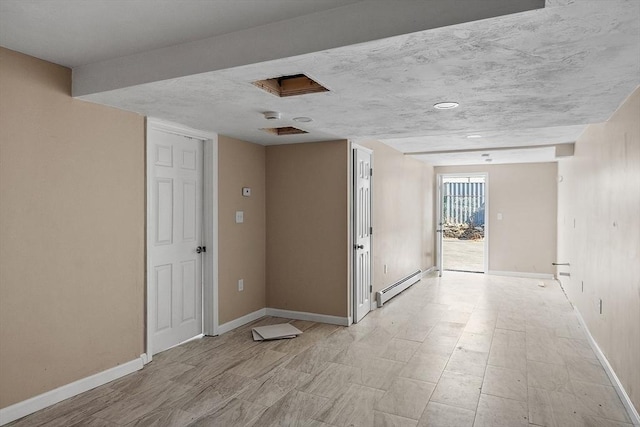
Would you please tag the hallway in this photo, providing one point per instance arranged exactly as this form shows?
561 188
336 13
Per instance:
461 350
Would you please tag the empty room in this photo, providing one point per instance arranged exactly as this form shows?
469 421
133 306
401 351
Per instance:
320 213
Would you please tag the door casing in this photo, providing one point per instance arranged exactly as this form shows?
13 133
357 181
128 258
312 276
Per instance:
439 220
209 226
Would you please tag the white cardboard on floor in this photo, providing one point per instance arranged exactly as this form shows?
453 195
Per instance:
275 332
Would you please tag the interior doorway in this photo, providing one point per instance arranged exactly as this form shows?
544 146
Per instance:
182 245
463 223
362 228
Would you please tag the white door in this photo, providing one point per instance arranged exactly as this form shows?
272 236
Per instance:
175 244
439 228
362 172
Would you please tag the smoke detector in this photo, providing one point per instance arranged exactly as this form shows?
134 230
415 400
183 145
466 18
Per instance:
272 115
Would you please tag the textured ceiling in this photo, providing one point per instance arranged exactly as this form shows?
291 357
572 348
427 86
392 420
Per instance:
527 79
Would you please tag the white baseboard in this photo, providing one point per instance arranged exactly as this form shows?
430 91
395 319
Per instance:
36 403
617 385
544 276
241 321
313 317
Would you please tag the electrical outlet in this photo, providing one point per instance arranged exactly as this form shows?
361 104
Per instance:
241 285
386 270
239 217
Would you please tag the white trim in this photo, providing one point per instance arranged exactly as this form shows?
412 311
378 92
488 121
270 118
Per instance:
624 397
241 321
210 225
313 317
544 276
209 222
41 401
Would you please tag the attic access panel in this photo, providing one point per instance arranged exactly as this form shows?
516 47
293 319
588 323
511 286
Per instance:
294 85
287 130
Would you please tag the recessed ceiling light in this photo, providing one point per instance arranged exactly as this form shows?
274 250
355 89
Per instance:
485 154
488 160
474 136
303 119
445 105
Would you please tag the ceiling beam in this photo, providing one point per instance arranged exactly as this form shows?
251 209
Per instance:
351 24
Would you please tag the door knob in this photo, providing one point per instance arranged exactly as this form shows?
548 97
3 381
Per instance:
359 246
201 249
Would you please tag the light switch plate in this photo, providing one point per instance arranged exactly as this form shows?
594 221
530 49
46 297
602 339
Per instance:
246 191
499 216
239 217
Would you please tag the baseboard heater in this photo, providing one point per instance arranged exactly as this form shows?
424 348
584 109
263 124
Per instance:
394 289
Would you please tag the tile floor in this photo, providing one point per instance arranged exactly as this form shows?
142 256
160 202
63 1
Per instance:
463 350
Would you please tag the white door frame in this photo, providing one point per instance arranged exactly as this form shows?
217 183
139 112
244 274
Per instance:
352 228
439 219
209 227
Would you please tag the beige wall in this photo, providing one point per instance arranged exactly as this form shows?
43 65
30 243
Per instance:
403 225
307 227
600 191
241 247
524 240
72 218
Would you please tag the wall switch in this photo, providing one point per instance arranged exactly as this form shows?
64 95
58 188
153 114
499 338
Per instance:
241 285
499 216
385 269
239 217
246 191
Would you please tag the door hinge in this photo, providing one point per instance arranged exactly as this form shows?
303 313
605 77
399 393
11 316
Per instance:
370 171
370 289
370 230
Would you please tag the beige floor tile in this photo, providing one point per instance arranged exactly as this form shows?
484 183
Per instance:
497 328
273 386
296 408
95 422
381 419
574 348
507 357
503 382
458 390
475 342
601 401
353 408
438 344
587 370
414 331
439 415
204 400
540 409
496 411
313 360
406 397
400 350
425 367
379 373
548 376
468 362
509 339
164 417
507 320
235 413
333 380
447 329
